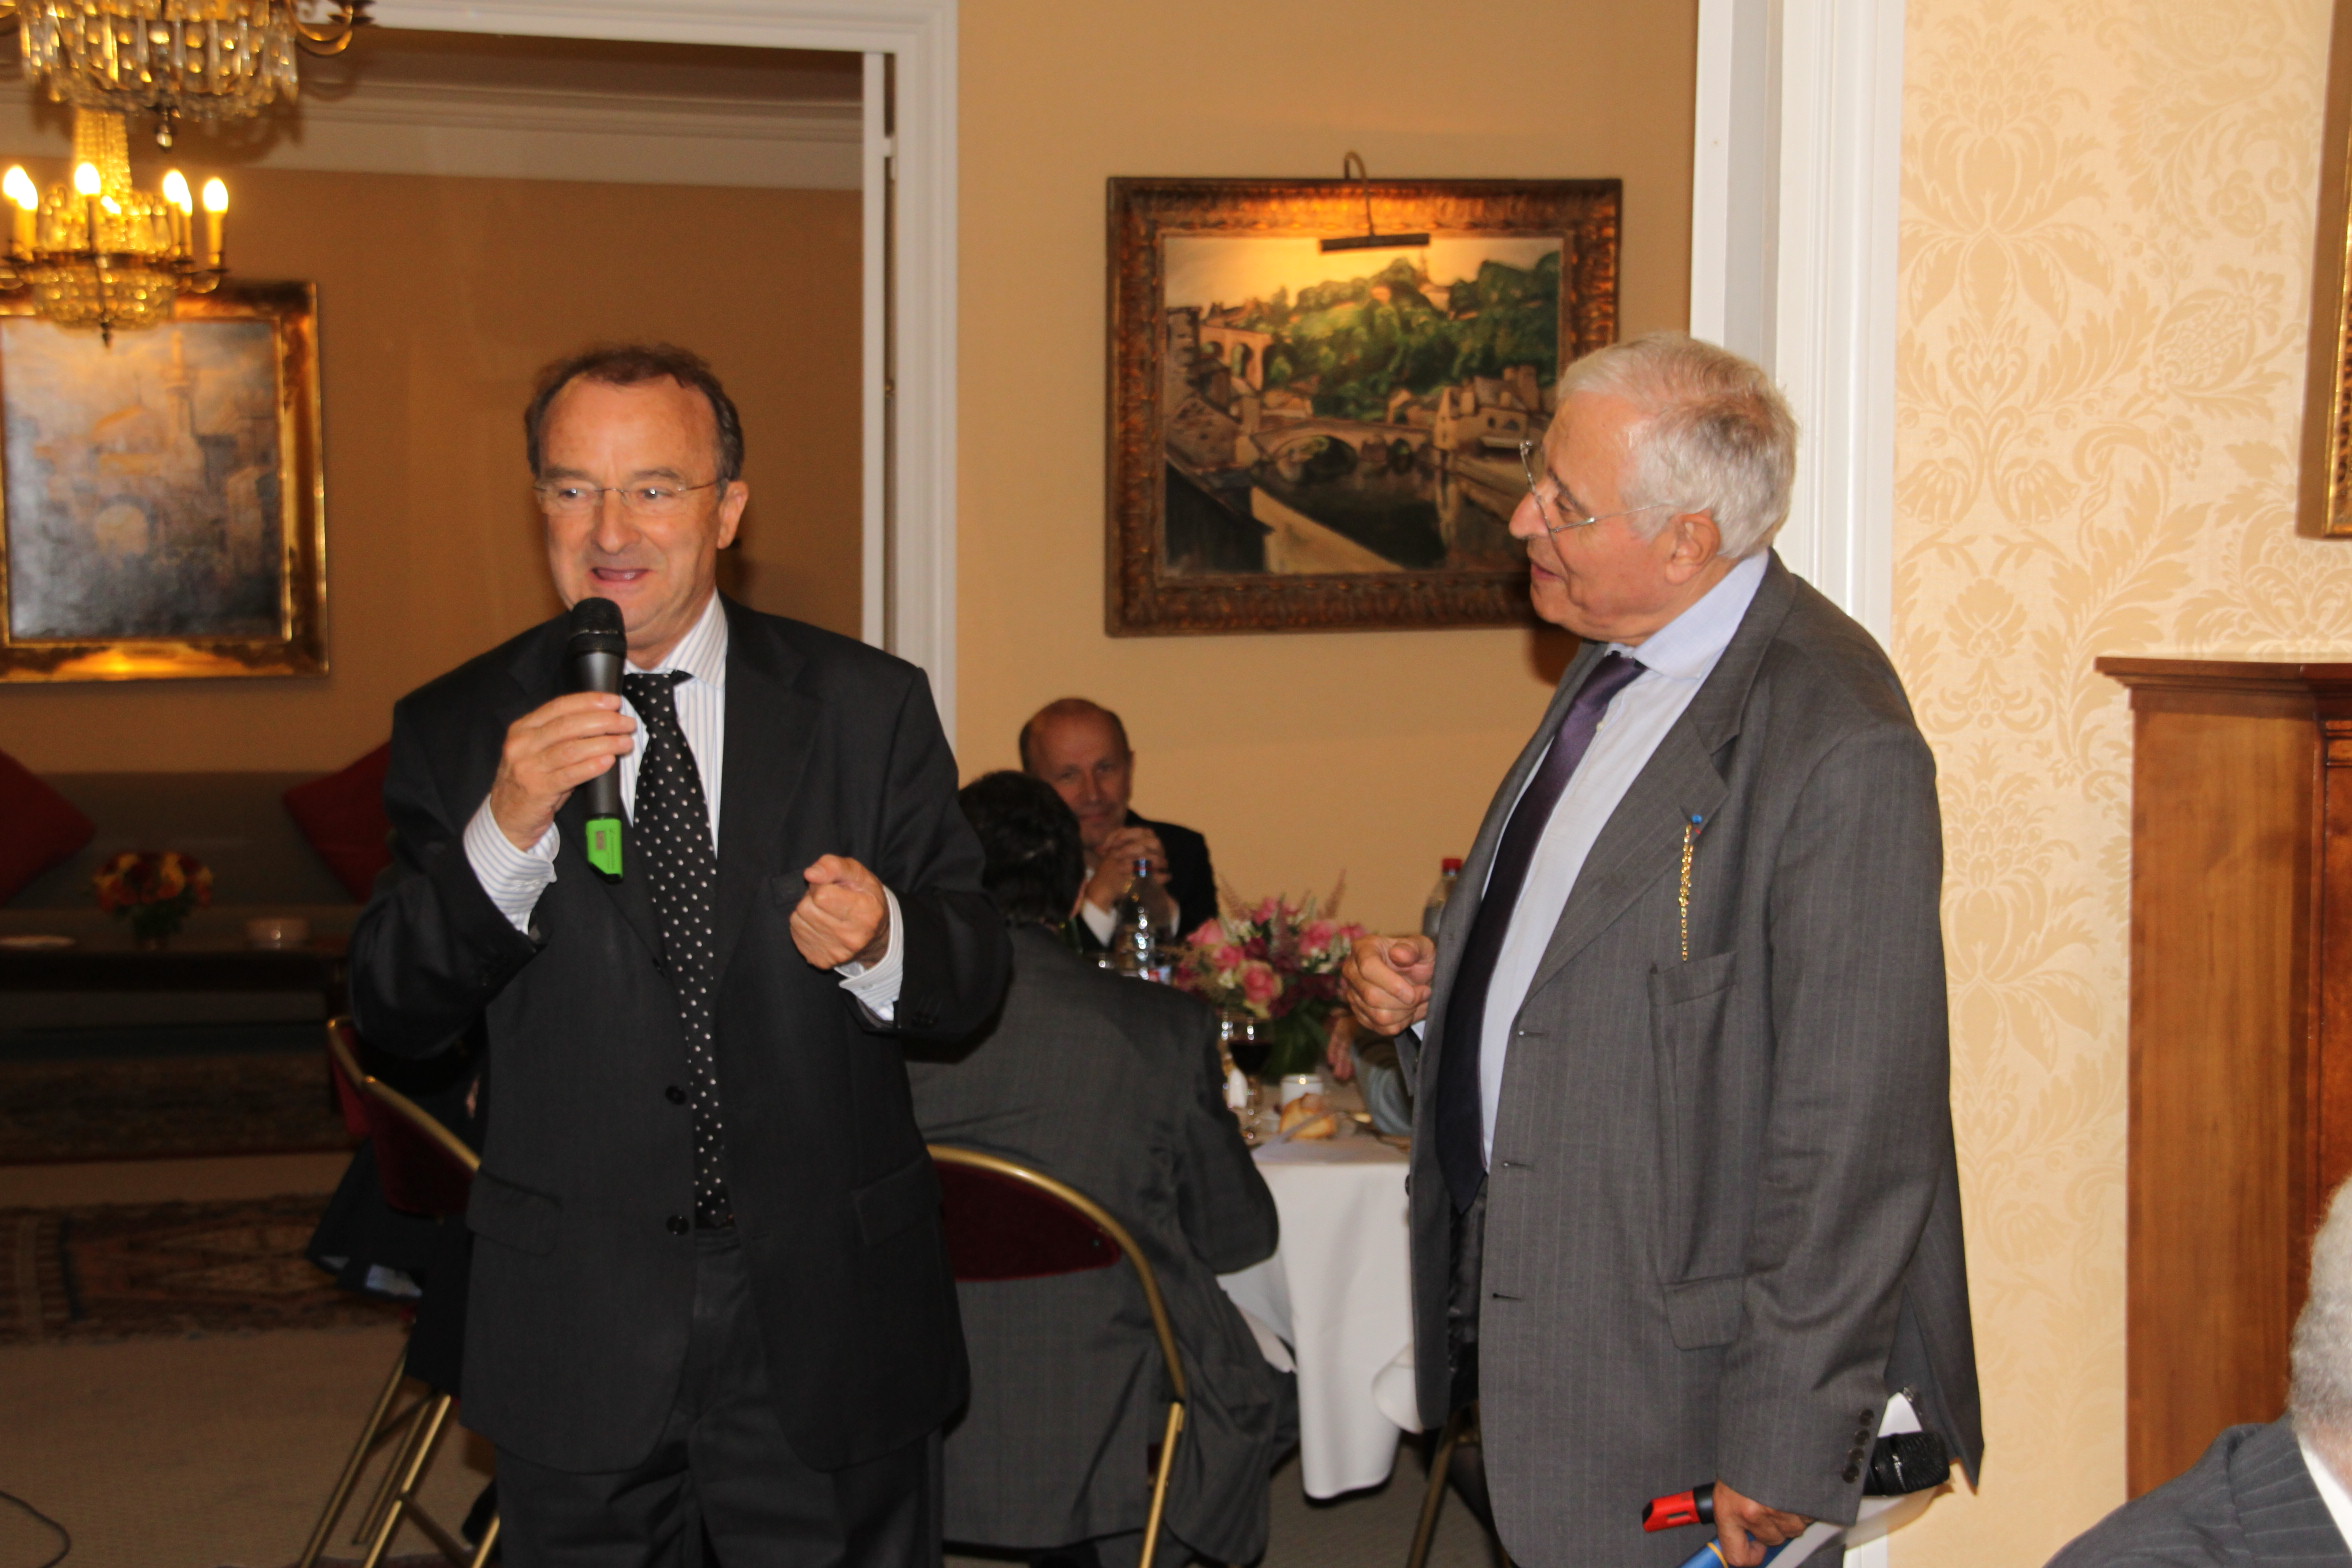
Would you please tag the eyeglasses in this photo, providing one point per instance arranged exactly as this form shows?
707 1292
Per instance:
570 498
1548 510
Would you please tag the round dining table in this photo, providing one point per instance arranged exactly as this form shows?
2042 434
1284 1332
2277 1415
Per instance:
1334 1303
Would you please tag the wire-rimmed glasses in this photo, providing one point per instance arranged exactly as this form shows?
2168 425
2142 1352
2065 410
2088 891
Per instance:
1549 510
577 498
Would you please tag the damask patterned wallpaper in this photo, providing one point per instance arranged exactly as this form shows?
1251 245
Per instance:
2107 226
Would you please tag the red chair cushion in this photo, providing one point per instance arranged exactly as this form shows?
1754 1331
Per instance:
1002 1228
417 1174
342 815
42 828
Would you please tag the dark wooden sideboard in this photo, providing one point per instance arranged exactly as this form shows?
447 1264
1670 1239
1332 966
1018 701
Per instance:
2241 1031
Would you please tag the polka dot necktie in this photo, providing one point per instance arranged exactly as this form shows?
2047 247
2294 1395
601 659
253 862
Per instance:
674 846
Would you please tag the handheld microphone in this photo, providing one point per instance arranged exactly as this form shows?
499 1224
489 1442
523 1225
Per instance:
599 643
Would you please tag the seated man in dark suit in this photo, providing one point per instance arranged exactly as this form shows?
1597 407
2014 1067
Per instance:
1080 748
1112 1085
2262 1495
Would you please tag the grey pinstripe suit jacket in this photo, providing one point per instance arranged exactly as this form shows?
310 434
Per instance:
2249 1503
1723 1214
1111 1085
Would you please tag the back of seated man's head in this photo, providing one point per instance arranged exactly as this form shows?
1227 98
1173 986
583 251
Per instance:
2320 1393
1035 860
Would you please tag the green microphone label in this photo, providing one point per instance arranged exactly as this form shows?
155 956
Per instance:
604 845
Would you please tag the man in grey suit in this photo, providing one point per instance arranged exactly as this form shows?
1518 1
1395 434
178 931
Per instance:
1684 1200
1112 1085
2263 1496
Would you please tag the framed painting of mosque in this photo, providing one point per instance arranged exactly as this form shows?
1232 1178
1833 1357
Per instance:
1318 391
161 507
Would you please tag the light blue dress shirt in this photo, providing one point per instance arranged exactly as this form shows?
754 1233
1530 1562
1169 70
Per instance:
1676 660
514 878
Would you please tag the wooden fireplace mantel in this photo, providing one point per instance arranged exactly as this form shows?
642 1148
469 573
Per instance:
2241 1030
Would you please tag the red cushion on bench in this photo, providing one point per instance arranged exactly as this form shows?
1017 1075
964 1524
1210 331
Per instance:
38 827
343 816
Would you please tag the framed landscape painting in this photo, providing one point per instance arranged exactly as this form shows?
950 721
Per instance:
163 515
1319 388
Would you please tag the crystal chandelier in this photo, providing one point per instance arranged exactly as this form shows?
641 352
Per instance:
176 59
96 252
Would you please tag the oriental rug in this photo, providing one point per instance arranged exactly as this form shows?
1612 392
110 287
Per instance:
113 1271
167 1107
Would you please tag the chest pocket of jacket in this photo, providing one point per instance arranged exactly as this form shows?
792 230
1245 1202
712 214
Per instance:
1698 1221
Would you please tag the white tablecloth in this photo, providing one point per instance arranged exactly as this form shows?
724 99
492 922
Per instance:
1338 1295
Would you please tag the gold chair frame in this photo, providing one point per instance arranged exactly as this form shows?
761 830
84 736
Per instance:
1461 1427
1162 1326
419 1426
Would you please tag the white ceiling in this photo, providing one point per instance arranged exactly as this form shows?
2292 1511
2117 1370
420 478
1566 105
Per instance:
551 109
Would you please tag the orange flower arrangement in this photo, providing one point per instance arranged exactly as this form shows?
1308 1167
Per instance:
153 890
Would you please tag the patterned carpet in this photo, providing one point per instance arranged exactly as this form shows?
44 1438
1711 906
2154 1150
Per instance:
168 1106
115 1271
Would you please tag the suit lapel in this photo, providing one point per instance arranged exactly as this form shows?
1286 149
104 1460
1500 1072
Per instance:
1471 889
538 671
771 728
1643 838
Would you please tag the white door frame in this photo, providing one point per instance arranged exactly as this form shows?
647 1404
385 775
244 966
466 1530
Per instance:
1796 192
910 261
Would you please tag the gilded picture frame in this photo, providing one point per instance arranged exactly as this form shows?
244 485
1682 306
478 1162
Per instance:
1315 436
162 504
2325 502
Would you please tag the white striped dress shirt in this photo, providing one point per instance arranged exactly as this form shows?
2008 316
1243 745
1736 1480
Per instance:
514 878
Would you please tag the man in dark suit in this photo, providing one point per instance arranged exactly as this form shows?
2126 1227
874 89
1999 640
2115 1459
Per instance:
2263 1496
1112 1085
1080 748
709 1292
1685 1204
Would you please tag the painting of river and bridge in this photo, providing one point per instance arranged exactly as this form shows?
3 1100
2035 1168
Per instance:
1313 437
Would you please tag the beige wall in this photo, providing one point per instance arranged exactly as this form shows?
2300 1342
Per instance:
1298 756
438 299
2108 213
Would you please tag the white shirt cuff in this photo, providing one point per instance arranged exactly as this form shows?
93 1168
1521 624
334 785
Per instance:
876 985
514 878
1100 921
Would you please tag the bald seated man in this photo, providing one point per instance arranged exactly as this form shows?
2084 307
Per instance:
1080 748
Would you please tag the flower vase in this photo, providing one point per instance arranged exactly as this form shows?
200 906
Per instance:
154 925
1299 1039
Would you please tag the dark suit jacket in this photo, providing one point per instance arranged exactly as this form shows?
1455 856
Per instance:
1110 1084
2249 1503
1192 881
583 1283
1723 1211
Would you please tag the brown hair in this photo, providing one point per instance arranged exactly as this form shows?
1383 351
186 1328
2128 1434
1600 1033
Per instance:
629 365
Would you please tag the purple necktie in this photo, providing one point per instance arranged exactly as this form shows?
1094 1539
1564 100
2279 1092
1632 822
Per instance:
1461 1152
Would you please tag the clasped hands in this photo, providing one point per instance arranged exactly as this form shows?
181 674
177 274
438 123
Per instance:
554 749
1386 980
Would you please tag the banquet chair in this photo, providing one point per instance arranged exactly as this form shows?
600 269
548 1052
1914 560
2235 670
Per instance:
1008 1221
425 1169
1460 1431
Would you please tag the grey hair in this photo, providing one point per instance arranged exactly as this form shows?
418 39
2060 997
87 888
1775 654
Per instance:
1715 435
2319 1392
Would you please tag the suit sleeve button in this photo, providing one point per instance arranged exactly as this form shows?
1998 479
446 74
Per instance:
678 1226
1853 1473
675 1095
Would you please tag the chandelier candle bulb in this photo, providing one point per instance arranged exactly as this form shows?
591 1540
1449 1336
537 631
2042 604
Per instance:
183 207
216 203
27 199
86 186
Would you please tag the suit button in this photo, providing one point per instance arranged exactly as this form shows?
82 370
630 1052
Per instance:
1853 1473
1856 1456
1865 1418
675 1095
679 1226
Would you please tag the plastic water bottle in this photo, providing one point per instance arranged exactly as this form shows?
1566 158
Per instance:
1449 873
1135 945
